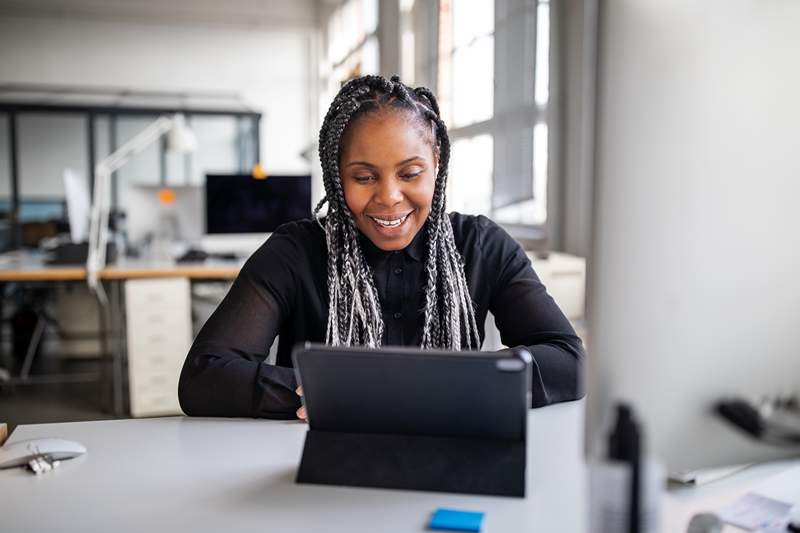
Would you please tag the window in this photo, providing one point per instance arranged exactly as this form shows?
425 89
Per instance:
466 98
351 47
493 84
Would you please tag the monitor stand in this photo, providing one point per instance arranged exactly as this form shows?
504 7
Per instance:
239 244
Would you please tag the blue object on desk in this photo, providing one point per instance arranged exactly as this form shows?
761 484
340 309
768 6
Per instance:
454 520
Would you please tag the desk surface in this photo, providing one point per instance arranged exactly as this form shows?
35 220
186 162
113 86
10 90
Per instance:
30 267
194 474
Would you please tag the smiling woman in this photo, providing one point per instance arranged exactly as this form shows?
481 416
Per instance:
385 266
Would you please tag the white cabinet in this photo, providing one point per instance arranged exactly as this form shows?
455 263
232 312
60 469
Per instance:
159 334
564 276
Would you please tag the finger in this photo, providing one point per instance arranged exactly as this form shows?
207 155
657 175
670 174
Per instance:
299 391
301 413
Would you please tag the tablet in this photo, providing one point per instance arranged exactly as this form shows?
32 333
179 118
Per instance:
409 391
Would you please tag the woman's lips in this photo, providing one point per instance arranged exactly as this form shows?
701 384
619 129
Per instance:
389 221
389 224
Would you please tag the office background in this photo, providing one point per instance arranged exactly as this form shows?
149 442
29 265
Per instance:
511 75
653 138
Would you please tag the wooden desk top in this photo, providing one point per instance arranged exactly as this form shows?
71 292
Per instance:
30 267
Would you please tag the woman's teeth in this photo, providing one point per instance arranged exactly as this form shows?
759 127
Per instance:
390 223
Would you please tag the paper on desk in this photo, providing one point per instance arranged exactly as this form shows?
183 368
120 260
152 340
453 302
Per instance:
766 509
755 512
784 487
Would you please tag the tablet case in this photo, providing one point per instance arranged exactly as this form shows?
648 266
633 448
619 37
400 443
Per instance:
434 420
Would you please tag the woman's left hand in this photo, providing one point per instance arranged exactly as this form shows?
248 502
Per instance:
301 413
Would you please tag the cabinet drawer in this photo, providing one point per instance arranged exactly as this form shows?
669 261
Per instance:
145 363
159 330
155 405
148 294
154 382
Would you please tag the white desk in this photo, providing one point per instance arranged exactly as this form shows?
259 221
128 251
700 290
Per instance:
184 474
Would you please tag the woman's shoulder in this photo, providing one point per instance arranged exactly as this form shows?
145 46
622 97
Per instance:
293 240
475 230
303 228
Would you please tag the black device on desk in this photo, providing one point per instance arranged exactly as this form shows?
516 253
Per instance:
411 419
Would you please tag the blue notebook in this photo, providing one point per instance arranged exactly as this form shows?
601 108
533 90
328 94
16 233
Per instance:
454 520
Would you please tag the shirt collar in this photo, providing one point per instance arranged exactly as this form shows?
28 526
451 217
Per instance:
415 250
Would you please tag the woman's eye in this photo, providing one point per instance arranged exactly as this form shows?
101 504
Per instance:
410 175
363 179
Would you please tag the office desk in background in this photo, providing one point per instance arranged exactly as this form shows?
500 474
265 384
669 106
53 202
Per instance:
149 316
148 319
201 474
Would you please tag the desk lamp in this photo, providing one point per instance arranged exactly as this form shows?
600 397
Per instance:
179 139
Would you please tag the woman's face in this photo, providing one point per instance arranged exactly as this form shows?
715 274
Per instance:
388 172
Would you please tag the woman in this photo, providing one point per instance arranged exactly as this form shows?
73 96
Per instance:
386 266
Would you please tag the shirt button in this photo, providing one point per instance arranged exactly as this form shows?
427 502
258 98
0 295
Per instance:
398 271
398 315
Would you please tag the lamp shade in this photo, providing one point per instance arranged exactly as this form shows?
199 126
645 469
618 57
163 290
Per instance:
180 137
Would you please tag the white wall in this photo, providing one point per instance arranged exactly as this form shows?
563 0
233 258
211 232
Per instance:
693 279
269 66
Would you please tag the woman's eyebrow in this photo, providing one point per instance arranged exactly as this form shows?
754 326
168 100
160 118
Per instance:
367 164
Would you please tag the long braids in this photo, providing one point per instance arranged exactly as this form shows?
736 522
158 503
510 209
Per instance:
354 313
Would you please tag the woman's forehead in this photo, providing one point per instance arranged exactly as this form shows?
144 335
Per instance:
386 135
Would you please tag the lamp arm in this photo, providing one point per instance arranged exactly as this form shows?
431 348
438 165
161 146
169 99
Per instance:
98 220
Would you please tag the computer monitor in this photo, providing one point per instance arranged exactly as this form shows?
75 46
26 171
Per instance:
694 278
241 211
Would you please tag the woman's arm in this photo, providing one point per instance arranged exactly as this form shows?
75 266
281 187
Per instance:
527 316
225 373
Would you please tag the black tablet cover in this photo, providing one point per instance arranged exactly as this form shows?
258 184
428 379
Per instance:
413 419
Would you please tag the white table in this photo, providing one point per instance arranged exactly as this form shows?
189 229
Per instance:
195 474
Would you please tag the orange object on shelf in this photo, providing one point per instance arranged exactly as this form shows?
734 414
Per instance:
166 196
258 172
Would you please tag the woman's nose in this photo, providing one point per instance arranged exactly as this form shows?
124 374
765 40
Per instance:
389 192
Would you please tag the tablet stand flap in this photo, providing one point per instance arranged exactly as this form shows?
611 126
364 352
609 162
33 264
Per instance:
414 462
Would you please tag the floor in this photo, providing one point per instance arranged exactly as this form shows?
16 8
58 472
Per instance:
50 402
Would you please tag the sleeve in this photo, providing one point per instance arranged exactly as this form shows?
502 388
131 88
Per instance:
527 316
225 373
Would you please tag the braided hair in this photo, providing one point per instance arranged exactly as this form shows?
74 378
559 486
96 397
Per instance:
354 313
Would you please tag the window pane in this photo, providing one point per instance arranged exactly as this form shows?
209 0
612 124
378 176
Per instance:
369 10
48 144
369 56
470 181
5 161
532 211
542 68
540 163
471 19
407 41
473 82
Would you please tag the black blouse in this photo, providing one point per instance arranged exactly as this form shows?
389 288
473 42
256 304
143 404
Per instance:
282 290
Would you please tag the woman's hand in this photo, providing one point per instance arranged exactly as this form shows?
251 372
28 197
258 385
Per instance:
301 413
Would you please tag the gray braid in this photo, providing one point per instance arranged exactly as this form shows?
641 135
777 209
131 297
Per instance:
354 311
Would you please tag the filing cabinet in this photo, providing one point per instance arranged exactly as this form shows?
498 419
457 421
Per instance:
564 276
159 334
